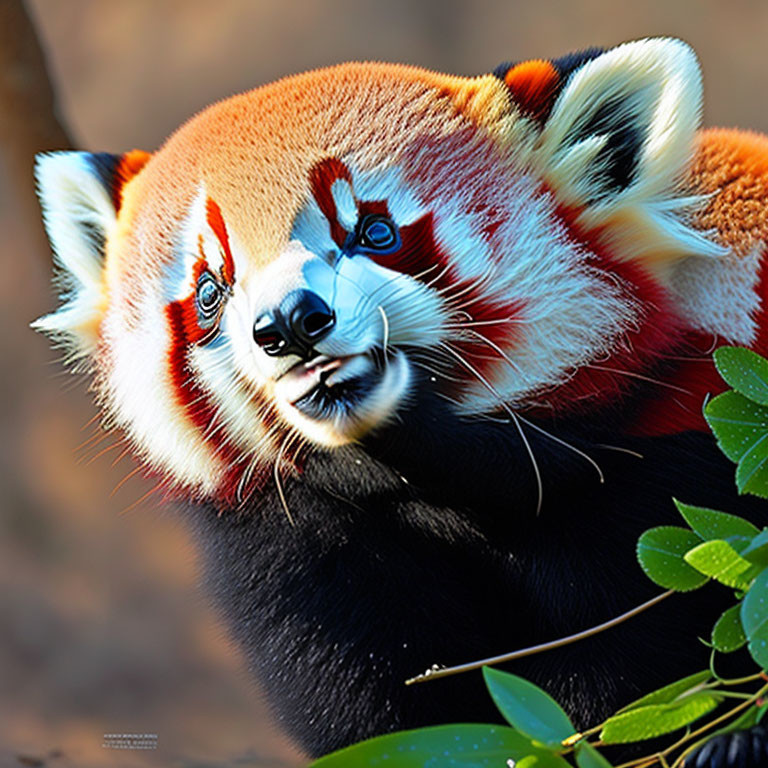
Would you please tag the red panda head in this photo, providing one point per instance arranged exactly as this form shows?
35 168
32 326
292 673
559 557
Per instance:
296 261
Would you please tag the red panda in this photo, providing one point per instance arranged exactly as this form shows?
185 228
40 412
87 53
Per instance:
412 347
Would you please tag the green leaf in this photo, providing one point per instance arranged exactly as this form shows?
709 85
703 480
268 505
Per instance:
754 619
757 549
728 634
648 722
752 472
670 693
737 422
722 562
529 709
711 524
459 746
745 371
543 760
546 760
739 543
588 757
661 551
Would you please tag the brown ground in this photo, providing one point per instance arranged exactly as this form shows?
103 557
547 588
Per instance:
102 628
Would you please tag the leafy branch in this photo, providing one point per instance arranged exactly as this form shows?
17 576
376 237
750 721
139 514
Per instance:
715 546
435 672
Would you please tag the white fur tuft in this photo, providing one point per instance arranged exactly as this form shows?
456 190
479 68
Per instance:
79 215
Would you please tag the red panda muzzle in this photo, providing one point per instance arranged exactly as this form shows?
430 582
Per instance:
300 321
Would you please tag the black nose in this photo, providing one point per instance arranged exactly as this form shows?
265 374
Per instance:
300 321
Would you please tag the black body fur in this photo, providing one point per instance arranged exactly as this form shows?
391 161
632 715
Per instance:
422 546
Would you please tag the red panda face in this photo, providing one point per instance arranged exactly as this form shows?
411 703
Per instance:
297 261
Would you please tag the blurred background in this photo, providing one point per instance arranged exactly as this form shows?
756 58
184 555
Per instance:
102 626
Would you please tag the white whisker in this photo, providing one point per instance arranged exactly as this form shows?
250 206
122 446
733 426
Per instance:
565 444
513 416
385 340
639 376
478 282
458 326
619 449
435 371
496 348
531 424
278 481
245 478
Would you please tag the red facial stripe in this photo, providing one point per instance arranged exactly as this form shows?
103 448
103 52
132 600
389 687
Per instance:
378 207
688 377
674 411
185 332
321 179
658 333
533 86
417 254
216 223
482 321
197 405
240 479
496 219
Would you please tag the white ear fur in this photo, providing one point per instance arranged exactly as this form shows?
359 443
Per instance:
617 145
79 214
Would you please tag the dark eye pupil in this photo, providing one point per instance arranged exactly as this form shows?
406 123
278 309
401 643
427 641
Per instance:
208 295
379 234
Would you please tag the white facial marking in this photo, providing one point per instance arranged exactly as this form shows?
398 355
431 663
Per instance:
346 208
141 397
719 296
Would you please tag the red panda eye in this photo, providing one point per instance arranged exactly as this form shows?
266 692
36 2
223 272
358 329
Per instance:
376 233
208 296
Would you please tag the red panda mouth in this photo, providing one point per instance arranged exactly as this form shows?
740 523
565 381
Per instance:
331 387
303 378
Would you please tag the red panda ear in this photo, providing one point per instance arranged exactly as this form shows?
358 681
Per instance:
614 139
81 194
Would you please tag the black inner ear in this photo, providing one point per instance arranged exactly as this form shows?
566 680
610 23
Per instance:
625 126
95 235
571 62
105 165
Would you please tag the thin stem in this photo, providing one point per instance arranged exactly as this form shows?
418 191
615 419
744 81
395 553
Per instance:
648 760
641 762
739 680
717 721
435 673
733 695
